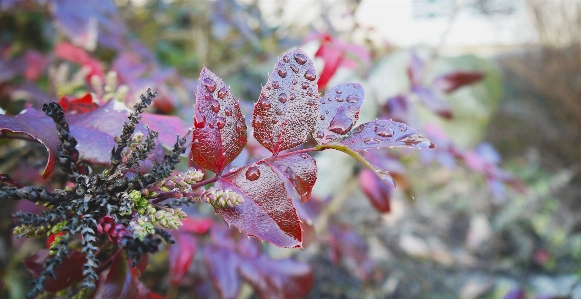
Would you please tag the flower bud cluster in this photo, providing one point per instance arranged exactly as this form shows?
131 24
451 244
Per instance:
221 198
179 182
141 227
32 231
168 217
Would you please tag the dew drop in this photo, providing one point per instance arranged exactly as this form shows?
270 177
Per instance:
236 104
322 117
294 69
282 97
339 99
215 106
282 73
207 96
274 121
294 82
341 123
322 102
220 121
300 58
258 121
402 127
320 134
228 111
264 103
211 125
310 92
278 112
294 141
304 155
199 120
305 85
383 131
310 75
222 92
352 99
292 96
210 84
252 173
239 127
339 91
311 103
275 84
329 99
371 141
286 59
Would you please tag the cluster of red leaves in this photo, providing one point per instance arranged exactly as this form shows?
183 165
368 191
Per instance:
287 114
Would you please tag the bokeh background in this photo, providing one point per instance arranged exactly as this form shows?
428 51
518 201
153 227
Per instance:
493 212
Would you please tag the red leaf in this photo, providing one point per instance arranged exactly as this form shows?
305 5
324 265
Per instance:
118 283
332 58
338 111
299 169
36 64
78 55
277 279
378 193
385 133
433 102
195 225
83 104
222 265
38 126
140 267
352 249
284 115
181 255
267 212
448 83
167 127
68 273
220 131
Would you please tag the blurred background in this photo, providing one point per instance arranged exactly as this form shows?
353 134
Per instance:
492 212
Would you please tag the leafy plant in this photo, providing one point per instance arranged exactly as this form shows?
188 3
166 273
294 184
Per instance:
127 204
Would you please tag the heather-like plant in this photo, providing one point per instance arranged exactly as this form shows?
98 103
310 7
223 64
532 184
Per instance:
131 202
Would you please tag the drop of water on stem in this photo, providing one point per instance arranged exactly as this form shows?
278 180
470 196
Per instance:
252 173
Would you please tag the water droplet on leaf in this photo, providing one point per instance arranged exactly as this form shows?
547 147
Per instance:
252 173
282 97
199 120
310 75
286 59
220 121
305 85
304 155
222 92
339 99
352 99
258 121
300 58
383 131
228 111
210 84
320 134
310 92
341 124
294 69
371 141
215 106
275 84
282 73
339 91
322 117
264 103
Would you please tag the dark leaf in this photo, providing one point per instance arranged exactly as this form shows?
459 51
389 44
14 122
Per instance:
385 133
181 255
448 83
10 68
68 273
378 192
433 102
284 115
119 283
219 128
299 169
338 111
140 267
277 279
222 264
267 212
352 250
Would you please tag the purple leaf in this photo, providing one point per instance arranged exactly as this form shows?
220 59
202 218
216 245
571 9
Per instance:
433 102
222 265
220 132
378 192
267 212
181 255
338 111
385 133
284 115
168 127
516 293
